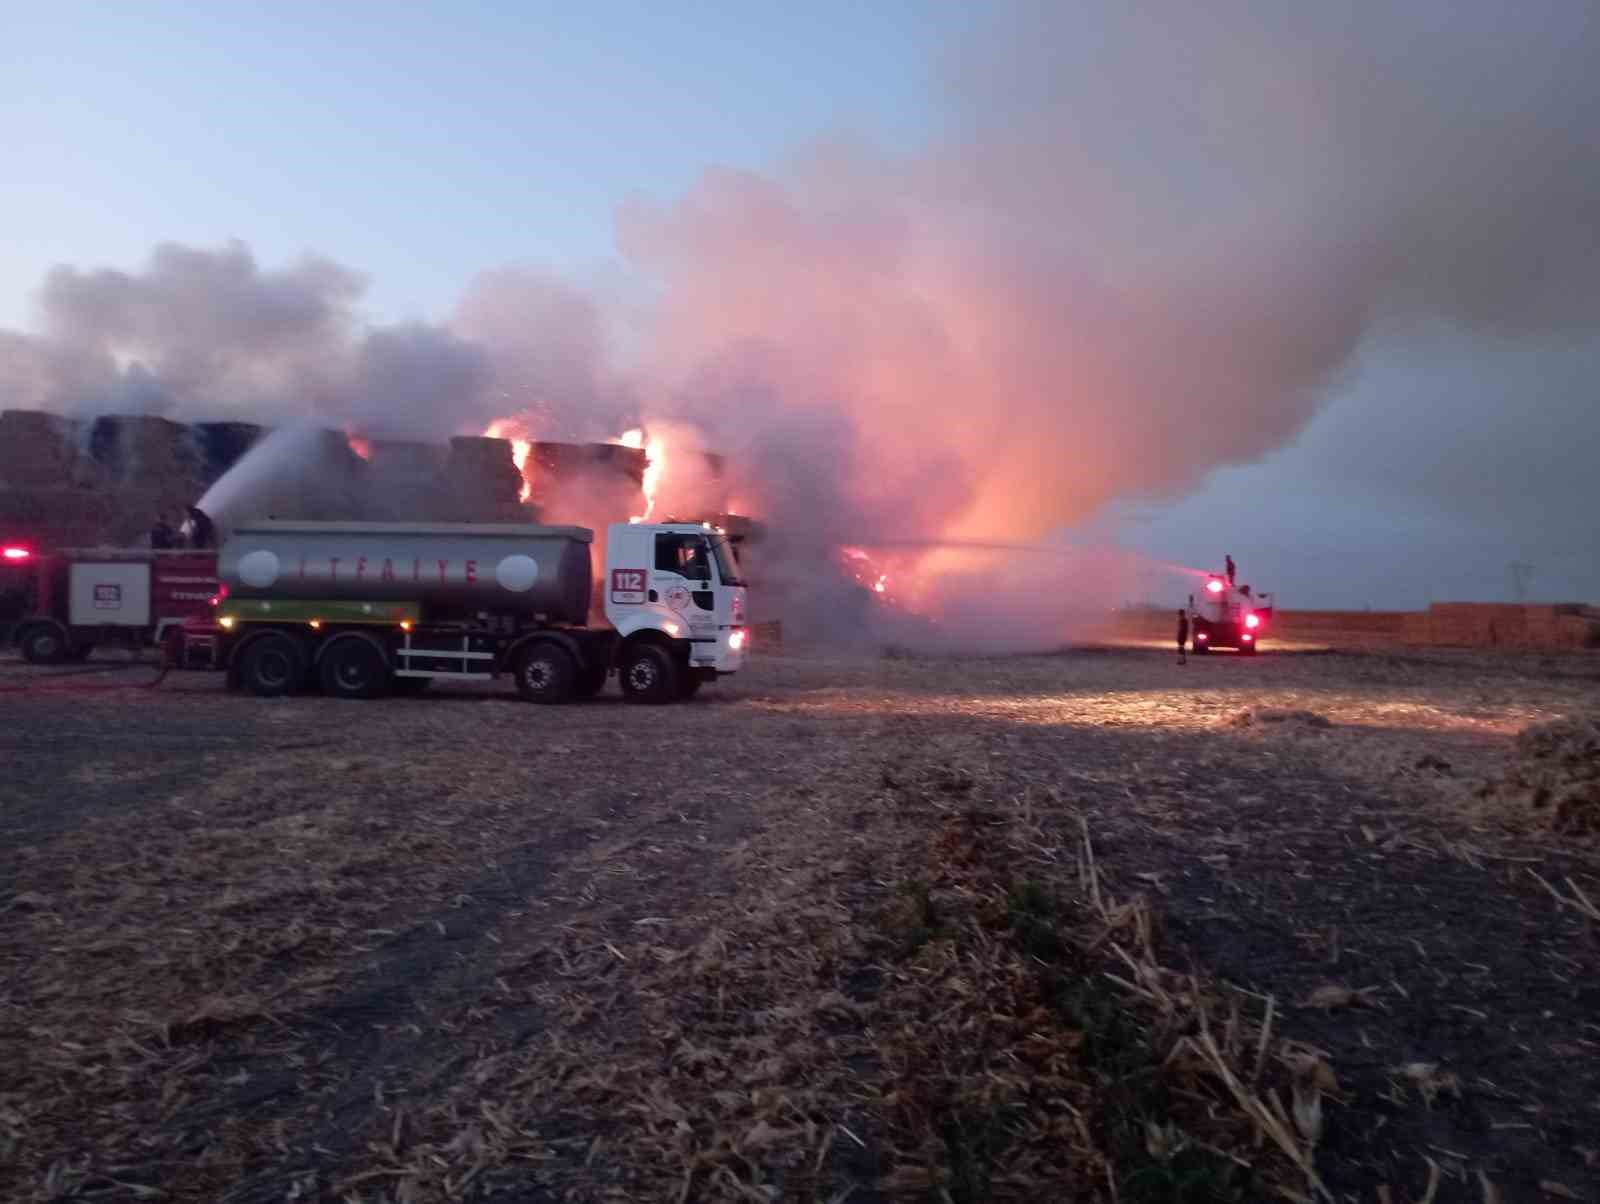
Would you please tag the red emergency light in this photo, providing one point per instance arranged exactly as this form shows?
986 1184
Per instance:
14 555
1252 620
1214 586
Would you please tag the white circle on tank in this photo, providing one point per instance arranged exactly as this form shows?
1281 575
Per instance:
258 569
517 573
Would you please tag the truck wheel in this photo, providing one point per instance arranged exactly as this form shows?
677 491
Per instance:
545 673
272 666
648 674
353 668
1248 649
43 644
591 681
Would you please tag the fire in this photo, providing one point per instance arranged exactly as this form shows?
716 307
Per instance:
361 447
867 572
517 432
655 452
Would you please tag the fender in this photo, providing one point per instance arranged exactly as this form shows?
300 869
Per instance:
678 647
28 627
365 637
33 623
236 653
561 638
652 618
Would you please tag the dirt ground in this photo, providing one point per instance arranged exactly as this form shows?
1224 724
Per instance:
797 939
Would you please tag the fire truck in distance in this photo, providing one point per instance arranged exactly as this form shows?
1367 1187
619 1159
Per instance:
72 600
1228 616
363 609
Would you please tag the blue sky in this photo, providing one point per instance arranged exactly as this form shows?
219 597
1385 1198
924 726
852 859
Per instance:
417 143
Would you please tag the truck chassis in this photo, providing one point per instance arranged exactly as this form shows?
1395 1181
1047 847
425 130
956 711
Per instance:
390 650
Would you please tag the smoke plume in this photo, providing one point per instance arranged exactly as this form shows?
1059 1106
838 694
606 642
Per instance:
1146 242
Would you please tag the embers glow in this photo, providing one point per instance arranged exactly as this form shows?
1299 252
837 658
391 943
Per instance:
867 573
361 447
517 434
1214 586
14 554
655 456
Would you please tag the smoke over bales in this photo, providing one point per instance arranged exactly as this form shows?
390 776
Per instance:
1150 243
201 333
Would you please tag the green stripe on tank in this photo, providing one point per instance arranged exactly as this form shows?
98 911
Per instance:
263 610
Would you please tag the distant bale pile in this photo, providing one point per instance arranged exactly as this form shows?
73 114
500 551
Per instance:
1555 775
1292 720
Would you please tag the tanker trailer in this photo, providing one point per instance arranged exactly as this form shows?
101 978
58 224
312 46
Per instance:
365 608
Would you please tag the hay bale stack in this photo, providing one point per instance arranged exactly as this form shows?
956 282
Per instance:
482 481
37 450
221 445
152 467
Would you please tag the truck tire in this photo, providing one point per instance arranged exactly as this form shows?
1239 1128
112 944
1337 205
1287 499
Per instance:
352 667
648 674
272 666
545 672
43 644
591 681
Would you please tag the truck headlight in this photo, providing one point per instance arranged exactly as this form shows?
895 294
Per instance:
736 639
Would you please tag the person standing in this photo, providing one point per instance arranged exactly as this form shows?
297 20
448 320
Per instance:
1229 559
1183 637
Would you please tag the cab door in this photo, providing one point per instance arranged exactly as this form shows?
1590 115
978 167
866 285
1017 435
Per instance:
681 580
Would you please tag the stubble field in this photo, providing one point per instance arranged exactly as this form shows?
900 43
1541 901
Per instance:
1089 925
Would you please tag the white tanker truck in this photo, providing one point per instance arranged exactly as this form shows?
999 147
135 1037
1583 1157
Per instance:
366 608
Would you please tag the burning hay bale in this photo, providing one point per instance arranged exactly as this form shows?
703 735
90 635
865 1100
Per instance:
1555 774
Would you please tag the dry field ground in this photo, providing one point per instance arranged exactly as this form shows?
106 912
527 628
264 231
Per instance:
1081 926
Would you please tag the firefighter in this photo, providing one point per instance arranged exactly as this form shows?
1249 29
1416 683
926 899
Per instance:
1183 637
199 528
162 535
1229 560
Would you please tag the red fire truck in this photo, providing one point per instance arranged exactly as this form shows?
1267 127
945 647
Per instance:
1229 616
77 598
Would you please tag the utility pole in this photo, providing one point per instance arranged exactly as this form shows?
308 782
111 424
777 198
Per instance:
1521 578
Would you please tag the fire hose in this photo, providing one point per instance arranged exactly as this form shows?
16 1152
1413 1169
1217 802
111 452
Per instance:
32 685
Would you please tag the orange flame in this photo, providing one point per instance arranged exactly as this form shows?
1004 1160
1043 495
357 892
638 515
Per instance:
517 432
655 451
361 447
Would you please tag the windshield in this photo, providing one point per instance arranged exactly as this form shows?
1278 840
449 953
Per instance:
727 562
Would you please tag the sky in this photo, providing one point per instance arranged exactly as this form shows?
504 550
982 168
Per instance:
418 143
423 145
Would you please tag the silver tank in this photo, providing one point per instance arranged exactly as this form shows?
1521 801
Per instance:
463 566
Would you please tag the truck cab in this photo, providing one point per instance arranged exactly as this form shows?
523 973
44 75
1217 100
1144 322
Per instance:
681 580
